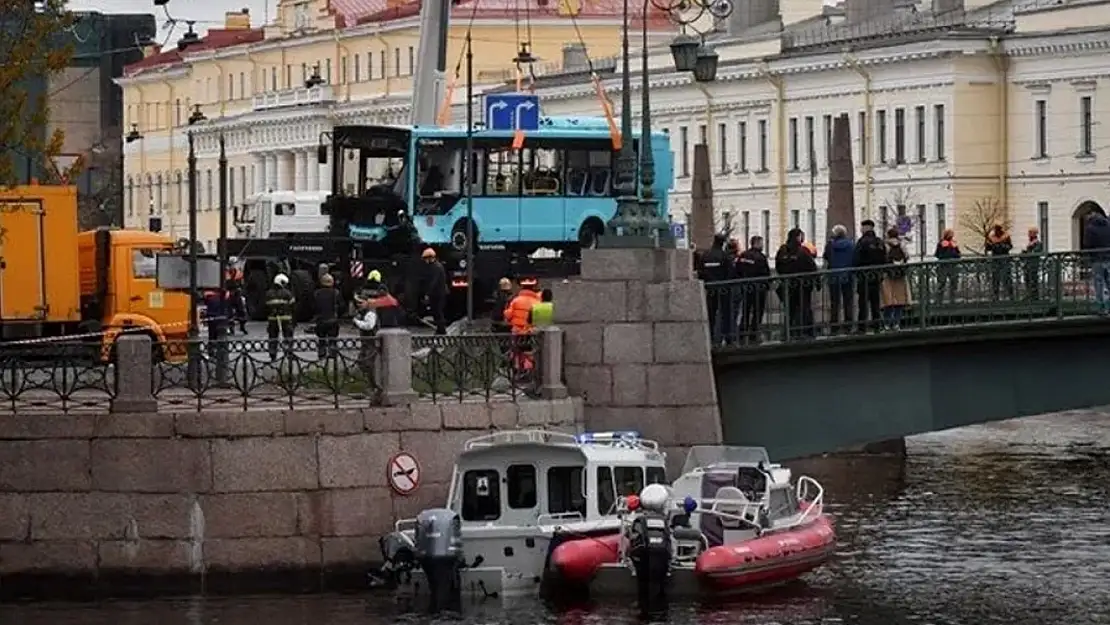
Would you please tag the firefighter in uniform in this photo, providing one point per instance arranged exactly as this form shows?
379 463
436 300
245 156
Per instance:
279 311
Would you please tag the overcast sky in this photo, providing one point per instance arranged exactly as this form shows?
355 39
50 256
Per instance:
207 13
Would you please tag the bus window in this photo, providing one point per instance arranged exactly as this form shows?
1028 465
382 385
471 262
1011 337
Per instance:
481 499
502 172
440 168
543 171
564 491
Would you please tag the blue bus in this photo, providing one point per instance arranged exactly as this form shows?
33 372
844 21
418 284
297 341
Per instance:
556 191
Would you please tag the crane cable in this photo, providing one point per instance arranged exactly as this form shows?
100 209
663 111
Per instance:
599 89
444 117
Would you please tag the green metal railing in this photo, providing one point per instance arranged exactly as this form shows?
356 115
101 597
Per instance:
912 297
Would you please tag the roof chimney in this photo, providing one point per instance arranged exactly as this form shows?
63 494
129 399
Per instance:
237 20
575 56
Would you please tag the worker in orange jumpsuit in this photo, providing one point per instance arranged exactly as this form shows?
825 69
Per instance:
518 316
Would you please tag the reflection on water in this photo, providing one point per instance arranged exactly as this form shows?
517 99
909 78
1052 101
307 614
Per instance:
1003 523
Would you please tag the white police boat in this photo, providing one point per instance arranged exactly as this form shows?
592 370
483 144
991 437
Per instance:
514 497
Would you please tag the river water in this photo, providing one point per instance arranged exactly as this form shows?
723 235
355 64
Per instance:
1002 523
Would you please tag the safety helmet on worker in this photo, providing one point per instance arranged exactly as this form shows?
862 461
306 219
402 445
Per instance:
281 280
374 276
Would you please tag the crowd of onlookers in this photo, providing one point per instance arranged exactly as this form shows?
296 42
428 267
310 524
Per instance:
865 278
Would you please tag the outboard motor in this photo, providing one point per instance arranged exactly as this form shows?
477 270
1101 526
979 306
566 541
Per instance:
439 554
649 547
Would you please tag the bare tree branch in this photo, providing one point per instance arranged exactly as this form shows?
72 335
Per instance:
977 223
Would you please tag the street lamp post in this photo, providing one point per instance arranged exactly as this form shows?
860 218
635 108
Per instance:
637 222
194 296
131 137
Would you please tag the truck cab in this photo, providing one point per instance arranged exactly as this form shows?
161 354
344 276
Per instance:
119 292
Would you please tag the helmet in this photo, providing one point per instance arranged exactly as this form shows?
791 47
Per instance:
375 276
281 279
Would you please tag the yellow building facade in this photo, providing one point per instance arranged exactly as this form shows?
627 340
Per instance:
960 112
250 85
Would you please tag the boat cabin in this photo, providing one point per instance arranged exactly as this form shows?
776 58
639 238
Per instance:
741 482
530 478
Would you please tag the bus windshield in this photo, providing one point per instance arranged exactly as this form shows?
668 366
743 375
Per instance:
369 156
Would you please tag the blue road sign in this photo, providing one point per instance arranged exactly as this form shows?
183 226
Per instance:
512 111
678 232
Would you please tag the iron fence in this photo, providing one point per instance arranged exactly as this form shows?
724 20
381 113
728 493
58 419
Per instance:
478 366
840 304
62 377
252 374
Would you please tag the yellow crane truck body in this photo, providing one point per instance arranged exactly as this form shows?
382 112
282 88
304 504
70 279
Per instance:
57 282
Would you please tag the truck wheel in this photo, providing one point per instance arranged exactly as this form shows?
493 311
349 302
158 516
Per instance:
303 286
255 285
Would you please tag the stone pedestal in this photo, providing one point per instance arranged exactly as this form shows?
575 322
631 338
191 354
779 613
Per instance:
134 375
637 346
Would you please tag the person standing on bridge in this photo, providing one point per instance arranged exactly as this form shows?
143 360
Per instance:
869 256
1031 264
948 275
279 312
1096 236
998 247
796 293
895 294
717 266
435 289
839 254
753 294
327 303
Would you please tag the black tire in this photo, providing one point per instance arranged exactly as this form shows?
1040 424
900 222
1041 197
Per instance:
255 285
589 233
459 236
303 286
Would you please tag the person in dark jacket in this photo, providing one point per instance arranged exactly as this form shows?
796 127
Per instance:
869 255
326 304
217 312
435 289
279 313
1096 236
1031 264
948 274
717 266
792 260
752 263
998 247
501 300
839 254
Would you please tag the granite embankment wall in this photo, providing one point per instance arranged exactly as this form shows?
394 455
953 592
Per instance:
197 495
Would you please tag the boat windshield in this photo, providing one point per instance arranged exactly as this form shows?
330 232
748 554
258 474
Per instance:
706 455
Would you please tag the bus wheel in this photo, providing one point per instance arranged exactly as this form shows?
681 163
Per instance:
589 233
459 236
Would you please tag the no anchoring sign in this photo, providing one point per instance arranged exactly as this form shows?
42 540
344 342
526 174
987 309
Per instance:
403 473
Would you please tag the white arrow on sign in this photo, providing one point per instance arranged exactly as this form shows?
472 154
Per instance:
522 106
496 106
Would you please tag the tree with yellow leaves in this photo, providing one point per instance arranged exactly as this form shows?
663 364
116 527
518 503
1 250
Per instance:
33 48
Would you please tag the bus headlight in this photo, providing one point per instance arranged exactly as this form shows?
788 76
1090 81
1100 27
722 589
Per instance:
462 264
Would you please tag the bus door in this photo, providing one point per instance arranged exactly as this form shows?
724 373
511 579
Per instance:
543 205
588 183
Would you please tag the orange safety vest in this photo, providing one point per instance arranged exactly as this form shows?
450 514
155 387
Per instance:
516 313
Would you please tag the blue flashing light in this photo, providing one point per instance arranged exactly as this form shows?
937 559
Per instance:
689 504
605 437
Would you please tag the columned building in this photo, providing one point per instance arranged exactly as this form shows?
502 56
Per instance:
272 91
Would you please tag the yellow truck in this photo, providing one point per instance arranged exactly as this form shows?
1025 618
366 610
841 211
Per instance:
57 282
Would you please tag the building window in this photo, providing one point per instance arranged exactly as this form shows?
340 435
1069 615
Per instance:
900 136
880 137
304 72
884 220
722 147
358 67
742 145
369 66
1086 143
811 149
942 224
863 138
919 228
273 79
828 138
1042 222
130 196
746 224
383 74
766 229
811 223
412 61
327 71
938 121
762 145
177 112
684 144
1040 108
230 186
208 188
343 70
396 61
795 218
919 114
794 143
231 87
703 138
242 84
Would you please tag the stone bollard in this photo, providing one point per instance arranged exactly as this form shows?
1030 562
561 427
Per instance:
395 366
134 375
551 363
